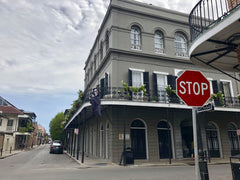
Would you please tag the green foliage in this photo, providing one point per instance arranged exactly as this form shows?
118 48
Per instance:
28 128
75 105
169 91
56 128
238 96
217 96
134 89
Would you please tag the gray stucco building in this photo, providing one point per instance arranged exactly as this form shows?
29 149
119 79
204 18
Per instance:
144 45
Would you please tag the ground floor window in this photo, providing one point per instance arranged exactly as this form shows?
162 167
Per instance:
138 139
233 138
212 140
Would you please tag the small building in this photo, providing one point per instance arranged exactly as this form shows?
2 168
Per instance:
15 126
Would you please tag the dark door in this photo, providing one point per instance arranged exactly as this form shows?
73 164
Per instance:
213 145
163 141
234 142
138 143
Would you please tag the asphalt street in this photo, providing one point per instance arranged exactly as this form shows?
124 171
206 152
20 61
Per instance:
39 164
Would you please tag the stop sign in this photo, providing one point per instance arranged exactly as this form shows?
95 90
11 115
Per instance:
193 88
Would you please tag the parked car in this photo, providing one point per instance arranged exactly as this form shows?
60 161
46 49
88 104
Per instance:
56 147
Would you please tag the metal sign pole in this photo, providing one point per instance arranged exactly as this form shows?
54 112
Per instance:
194 119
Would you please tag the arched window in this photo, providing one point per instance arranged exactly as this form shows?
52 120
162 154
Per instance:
135 38
212 140
233 138
138 139
180 45
158 42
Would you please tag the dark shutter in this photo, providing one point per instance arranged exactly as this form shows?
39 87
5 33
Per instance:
130 82
130 77
215 86
221 87
155 88
102 88
146 81
172 81
106 85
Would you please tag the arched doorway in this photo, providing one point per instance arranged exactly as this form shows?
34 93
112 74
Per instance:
164 140
187 138
212 140
233 138
138 139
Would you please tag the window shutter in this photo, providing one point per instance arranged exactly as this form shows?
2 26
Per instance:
172 81
130 81
215 86
221 87
130 77
102 88
146 81
106 85
155 87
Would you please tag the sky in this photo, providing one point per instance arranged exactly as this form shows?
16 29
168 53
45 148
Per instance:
43 48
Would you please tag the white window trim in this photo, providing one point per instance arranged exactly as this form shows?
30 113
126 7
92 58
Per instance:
176 71
139 70
230 82
163 73
210 82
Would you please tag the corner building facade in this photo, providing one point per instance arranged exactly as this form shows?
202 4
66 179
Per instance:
142 44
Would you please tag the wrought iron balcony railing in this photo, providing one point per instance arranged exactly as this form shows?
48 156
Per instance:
120 94
209 12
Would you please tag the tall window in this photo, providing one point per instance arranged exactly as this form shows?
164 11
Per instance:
137 78
0 121
107 40
233 138
212 140
95 62
101 50
180 45
135 38
161 85
158 42
9 125
226 88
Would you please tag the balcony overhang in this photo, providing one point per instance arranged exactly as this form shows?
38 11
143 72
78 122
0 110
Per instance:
105 103
216 47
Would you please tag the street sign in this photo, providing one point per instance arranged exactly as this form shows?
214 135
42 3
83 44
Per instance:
207 107
193 88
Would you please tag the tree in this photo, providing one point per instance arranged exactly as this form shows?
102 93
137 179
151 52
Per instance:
55 127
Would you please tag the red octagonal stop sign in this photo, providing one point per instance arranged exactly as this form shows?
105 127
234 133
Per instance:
193 88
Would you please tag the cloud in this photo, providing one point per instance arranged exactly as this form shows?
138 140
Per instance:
44 44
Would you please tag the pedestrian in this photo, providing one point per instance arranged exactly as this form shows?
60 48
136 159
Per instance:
192 150
95 101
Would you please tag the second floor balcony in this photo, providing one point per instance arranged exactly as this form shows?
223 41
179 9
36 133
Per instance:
215 34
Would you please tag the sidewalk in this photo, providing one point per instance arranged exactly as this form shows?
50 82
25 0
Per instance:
6 154
96 162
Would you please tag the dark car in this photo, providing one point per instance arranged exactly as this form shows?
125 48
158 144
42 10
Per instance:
56 147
